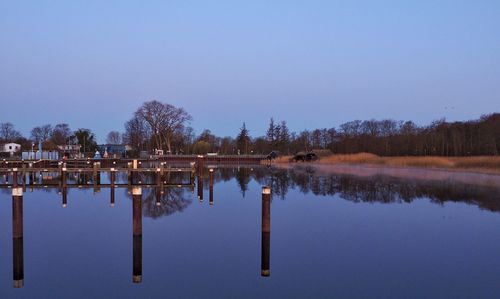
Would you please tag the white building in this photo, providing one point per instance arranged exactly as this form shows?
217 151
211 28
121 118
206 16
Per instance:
10 148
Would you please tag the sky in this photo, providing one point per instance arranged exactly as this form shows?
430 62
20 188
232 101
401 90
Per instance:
315 64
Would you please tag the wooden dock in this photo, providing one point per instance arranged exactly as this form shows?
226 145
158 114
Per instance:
122 164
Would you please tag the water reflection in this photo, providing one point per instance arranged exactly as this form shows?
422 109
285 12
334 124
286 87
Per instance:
159 202
163 194
377 188
211 187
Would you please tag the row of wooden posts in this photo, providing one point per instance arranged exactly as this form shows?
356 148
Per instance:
17 228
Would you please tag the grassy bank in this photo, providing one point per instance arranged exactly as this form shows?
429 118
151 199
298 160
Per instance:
481 162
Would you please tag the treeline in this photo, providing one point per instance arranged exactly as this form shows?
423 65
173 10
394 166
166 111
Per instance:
161 126
385 137
440 138
391 138
52 136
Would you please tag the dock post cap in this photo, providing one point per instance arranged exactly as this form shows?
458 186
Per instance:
266 190
211 170
137 278
136 191
17 191
265 273
14 169
112 169
64 205
18 283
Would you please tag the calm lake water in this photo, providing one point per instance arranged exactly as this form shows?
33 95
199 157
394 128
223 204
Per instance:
331 236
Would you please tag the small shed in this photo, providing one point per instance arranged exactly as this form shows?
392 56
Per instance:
10 148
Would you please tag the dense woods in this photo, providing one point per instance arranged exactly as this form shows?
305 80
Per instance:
161 126
393 138
385 138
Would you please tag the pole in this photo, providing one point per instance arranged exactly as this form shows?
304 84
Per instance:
17 235
137 234
266 231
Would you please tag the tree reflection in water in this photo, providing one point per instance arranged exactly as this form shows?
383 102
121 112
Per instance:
377 188
171 201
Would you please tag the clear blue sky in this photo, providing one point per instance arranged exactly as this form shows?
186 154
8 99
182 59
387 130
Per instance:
312 63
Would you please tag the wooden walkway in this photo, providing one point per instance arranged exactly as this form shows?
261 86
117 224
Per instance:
155 162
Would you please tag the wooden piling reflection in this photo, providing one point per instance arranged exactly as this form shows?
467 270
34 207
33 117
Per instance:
64 196
159 185
64 187
200 186
266 231
96 177
112 179
211 187
17 235
137 234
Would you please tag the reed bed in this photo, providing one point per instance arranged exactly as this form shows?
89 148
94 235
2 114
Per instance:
479 162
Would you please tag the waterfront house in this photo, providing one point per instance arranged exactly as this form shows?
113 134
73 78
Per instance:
114 150
10 148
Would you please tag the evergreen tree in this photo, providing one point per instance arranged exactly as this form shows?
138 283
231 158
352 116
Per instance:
243 140
271 130
284 138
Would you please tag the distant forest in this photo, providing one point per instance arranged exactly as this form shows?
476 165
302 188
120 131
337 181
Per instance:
157 125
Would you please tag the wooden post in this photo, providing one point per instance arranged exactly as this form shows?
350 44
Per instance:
14 177
211 187
24 177
96 177
159 177
129 172
137 234
266 231
17 236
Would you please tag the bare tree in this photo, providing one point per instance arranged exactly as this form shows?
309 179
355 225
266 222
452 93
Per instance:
7 132
114 137
164 120
136 133
60 134
41 133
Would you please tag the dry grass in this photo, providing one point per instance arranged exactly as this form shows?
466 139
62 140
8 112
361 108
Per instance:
282 159
420 161
482 162
352 159
477 162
